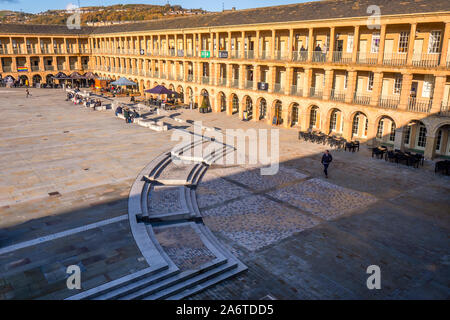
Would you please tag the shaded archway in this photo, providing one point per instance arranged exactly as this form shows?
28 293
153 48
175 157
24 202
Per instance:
385 130
234 104
314 117
294 114
262 109
205 103
248 107
23 80
37 79
277 113
360 125
335 121
442 142
222 101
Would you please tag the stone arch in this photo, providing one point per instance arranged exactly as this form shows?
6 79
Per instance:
385 129
37 79
276 110
205 100
334 121
221 102
294 114
233 104
189 95
440 139
261 109
247 105
313 117
359 122
24 80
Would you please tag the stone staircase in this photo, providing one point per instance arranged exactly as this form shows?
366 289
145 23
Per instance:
183 255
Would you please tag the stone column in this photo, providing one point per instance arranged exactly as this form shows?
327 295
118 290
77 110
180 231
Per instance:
307 82
310 43
399 138
430 147
406 90
329 74
256 51
289 77
382 40
438 94
242 53
412 37
217 44
351 86
291 44
273 45
445 42
377 86
332 42
256 76
272 77
242 75
229 74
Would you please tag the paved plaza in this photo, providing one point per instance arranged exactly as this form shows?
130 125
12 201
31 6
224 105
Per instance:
67 173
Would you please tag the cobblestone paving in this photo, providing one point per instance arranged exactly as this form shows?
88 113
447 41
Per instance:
213 190
183 246
255 222
65 166
164 200
323 199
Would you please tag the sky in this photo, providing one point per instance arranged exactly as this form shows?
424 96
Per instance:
33 6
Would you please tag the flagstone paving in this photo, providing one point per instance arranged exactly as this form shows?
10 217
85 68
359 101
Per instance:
301 236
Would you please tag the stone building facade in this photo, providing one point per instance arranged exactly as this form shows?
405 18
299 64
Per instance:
333 66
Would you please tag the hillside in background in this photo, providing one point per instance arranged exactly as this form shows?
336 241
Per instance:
100 15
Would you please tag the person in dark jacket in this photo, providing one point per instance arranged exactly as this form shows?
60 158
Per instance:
326 160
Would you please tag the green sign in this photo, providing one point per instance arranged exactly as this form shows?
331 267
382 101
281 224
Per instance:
205 54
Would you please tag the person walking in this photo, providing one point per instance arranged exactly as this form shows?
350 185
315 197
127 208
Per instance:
27 93
326 160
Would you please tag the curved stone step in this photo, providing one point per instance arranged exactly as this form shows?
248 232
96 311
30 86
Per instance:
171 284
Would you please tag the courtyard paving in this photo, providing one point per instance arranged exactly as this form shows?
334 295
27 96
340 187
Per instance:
302 236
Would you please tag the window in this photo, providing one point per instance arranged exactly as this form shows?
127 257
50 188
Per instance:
294 115
370 81
427 86
438 141
366 128
392 135
333 121
350 43
355 125
422 139
398 84
403 42
434 43
313 118
380 129
407 133
375 42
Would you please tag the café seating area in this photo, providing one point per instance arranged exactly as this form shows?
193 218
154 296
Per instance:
397 156
334 141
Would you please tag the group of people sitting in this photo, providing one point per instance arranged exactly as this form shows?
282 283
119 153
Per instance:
128 113
86 101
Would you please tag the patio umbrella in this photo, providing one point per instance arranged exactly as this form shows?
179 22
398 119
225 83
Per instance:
159 90
60 75
123 82
90 76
